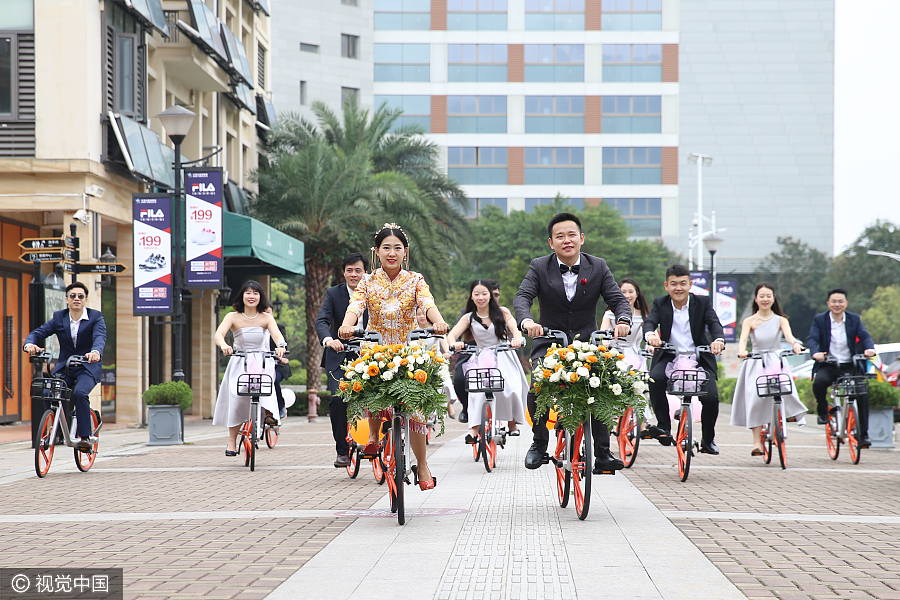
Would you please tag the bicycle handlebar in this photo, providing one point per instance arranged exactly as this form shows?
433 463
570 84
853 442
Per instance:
418 334
554 334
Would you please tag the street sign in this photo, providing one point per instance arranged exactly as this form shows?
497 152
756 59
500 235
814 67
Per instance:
104 268
46 255
47 243
68 267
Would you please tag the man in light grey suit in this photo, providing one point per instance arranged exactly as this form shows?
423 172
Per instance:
568 286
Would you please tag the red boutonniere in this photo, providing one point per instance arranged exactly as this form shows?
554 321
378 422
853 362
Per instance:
584 282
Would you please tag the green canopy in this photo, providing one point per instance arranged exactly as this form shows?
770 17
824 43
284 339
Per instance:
259 249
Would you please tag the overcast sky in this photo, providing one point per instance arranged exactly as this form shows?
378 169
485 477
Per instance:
866 115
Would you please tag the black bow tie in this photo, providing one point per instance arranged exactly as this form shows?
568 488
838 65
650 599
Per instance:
563 269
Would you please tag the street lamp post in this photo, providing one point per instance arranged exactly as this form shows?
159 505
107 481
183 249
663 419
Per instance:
177 121
712 243
701 160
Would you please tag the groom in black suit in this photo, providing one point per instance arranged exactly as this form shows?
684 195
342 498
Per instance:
330 317
683 319
568 286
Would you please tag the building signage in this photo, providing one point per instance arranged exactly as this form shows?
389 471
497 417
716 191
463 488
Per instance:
203 228
152 254
726 308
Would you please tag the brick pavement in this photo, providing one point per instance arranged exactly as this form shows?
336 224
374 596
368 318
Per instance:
817 559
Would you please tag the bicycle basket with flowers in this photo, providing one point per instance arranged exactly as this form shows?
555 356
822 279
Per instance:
583 379
384 376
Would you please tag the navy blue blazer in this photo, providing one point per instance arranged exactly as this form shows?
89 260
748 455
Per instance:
91 338
329 320
858 339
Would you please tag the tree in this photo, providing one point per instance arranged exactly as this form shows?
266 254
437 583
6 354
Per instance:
882 318
860 273
799 274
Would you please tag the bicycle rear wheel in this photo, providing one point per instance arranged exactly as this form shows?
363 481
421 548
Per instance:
271 435
684 441
85 460
399 474
251 447
563 475
582 468
853 433
779 436
629 436
831 438
43 449
486 445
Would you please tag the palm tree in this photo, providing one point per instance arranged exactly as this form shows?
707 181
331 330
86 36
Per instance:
327 199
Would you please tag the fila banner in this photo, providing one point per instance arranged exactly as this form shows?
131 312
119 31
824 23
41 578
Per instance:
726 307
203 228
152 222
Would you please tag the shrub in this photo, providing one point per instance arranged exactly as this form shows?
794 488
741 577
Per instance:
726 389
170 393
883 395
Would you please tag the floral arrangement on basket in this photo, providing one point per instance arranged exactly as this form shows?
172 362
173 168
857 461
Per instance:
583 379
384 376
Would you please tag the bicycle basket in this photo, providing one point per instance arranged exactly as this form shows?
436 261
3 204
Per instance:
778 384
851 385
254 384
484 380
688 383
49 388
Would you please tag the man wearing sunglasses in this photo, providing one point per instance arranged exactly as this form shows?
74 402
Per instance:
80 331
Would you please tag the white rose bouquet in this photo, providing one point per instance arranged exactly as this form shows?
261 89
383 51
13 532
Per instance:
583 380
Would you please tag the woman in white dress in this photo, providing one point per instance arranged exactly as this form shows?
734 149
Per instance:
631 346
438 344
487 324
249 324
765 328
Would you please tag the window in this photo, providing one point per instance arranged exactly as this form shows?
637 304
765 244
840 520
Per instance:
554 114
416 110
349 46
554 15
402 62
349 96
261 66
632 62
309 48
632 114
17 109
476 114
476 14
554 62
303 93
479 204
403 14
6 76
125 63
476 62
642 215
632 166
544 166
631 15
473 166
532 203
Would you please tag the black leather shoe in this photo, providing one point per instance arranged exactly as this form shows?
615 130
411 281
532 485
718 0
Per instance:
709 448
341 461
822 420
665 437
652 432
865 443
463 417
535 456
605 461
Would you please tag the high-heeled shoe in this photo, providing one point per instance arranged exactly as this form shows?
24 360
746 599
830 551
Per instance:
423 485
230 453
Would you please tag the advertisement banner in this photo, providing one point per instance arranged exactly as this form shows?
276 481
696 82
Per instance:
203 228
726 307
700 283
152 254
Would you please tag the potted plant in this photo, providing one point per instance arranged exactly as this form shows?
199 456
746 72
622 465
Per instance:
166 403
883 399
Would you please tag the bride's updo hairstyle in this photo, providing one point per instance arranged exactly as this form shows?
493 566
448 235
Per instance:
389 229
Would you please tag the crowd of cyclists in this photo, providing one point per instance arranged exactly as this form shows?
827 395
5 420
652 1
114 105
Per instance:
568 286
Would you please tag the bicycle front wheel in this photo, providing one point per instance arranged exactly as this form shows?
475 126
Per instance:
251 447
684 441
766 441
353 467
582 465
779 436
399 474
629 436
43 449
380 462
853 433
563 475
831 436
486 444
85 460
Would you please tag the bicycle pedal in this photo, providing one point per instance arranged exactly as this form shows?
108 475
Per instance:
547 459
605 472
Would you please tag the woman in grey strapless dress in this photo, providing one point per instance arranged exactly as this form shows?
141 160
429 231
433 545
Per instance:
766 328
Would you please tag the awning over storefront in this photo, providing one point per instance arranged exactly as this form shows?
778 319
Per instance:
259 249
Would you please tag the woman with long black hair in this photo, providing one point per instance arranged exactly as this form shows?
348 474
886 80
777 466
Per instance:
639 309
487 324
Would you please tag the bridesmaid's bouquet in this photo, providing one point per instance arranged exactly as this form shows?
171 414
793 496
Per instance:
385 376
584 379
